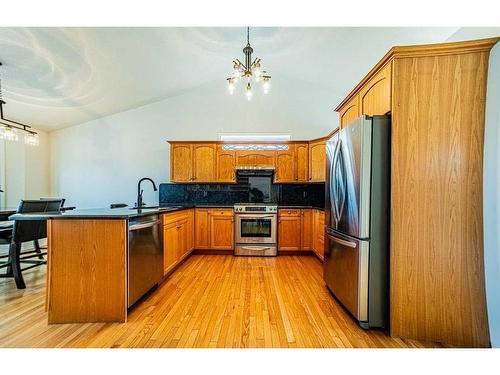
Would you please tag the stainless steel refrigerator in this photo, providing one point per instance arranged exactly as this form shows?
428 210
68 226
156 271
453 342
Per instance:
356 267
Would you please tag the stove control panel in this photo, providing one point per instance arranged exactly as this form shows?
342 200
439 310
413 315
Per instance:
256 208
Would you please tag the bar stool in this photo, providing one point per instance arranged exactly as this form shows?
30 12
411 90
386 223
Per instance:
26 231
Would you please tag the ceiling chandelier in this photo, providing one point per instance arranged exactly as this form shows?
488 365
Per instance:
9 128
248 71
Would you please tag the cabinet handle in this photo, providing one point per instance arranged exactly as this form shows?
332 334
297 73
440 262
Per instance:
289 212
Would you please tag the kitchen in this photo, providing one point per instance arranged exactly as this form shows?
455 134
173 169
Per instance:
156 228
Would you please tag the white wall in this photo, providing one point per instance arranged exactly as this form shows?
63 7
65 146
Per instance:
100 162
24 170
491 187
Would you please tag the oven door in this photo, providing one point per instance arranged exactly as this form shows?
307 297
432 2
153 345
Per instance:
256 229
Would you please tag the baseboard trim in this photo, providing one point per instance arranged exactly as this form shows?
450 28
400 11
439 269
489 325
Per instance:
213 252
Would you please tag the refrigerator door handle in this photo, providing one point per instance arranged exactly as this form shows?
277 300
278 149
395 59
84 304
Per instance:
332 185
342 242
344 182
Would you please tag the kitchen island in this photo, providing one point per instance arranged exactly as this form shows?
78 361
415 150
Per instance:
88 265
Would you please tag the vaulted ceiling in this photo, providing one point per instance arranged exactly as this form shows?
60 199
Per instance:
58 77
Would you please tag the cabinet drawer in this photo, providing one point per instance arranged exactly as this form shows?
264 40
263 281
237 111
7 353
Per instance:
221 211
175 216
289 212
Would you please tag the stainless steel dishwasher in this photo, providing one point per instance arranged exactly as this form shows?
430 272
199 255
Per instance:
145 256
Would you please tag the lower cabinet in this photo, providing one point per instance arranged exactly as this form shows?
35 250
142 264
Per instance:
319 233
294 229
214 228
178 241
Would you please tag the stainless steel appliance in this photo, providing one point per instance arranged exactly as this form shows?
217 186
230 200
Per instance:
259 182
357 219
145 256
255 229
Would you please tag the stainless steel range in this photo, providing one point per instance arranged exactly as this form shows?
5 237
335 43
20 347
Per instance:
255 229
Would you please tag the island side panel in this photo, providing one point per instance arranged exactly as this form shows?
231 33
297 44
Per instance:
87 270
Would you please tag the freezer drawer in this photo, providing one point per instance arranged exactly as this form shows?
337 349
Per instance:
346 272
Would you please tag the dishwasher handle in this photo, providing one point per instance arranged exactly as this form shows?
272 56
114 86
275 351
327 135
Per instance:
147 224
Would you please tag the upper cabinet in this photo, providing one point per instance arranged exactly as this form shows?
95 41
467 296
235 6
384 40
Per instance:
317 161
181 162
375 95
192 162
292 164
349 111
255 158
226 162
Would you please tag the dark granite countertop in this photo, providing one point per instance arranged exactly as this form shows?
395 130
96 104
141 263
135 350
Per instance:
97 213
123 213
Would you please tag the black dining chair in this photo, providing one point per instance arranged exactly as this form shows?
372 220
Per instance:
26 231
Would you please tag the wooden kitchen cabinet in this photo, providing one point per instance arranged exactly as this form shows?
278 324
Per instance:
294 229
192 162
349 111
201 229
319 233
204 162
226 163
317 161
214 228
285 165
177 238
292 164
301 162
255 158
181 162
375 95
221 229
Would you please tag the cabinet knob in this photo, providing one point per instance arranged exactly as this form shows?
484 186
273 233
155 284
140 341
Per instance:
289 212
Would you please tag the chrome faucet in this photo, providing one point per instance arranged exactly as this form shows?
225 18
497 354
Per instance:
139 202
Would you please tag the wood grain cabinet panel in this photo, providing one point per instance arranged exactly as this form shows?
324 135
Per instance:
285 165
437 272
201 229
350 111
294 229
306 229
255 158
221 229
226 163
204 162
301 162
375 95
319 233
181 162
317 161
170 246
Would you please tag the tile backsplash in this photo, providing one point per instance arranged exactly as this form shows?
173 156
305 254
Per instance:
229 194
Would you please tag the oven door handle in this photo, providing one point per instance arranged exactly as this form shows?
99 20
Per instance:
245 216
255 247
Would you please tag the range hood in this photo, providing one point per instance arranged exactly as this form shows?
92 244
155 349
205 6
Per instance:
254 171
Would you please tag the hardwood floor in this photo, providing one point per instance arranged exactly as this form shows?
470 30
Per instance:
211 301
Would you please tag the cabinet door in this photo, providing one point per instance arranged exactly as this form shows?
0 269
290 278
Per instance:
181 164
182 233
255 158
375 95
301 162
289 230
204 160
306 229
285 165
221 229
190 230
317 162
201 229
319 233
170 246
225 165
350 111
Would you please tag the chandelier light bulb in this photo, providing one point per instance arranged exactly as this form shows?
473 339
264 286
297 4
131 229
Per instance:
32 139
248 91
266 85
256 70
231 85
8 133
